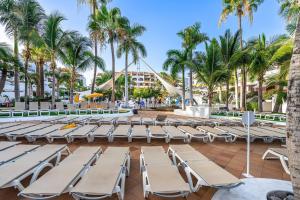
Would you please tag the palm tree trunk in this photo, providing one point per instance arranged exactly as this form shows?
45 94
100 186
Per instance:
220 94
293 115
113 71
126 79
38 85
210 97
236 89
183 89
26 74
260 104
16 68
191 87
42 80
95 67
53 82
3 79
243 70
278 100
227 90
72 86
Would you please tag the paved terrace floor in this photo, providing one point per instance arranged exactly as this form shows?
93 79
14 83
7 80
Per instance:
230 156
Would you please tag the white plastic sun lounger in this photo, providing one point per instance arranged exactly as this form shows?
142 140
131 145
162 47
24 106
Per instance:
215 133
19 109
33 109
82 119
267 138
281 130
158 132
200 168
136 120
106 177
5 145
194 133
13 135
52 119
121 131
7 125
81 132
67 119
278 153
175 133
160 177
44 108
15 152
34 135
59 134
122 120
147 121
271 133
107 120
139 132
15 128
172 121
32 163
236 133
68 172
102 131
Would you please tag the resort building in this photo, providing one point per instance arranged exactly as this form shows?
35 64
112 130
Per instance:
143 79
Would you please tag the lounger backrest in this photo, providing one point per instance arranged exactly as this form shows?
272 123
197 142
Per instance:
83 130
33 106
5 144
19 105
122 129
28 129
15 151
14 128
45 105
45 130
157 130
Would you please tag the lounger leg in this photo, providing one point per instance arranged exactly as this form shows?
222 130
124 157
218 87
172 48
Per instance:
190 180
206 139
145 185
18 185
284 165
148 140
38 171
121 187
128 165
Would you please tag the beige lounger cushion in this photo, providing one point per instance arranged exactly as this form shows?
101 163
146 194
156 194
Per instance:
6 125
174 132
234 131
212 174
61 133
145 149
16 151
122 130
157 130
191 130
28 129
182 148
165 179
45 130
6 144
14 128
13 170
83 130
139 131
211 130
103 130
65 172
191 155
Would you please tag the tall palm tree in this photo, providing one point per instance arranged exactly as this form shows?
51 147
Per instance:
130 45
31 14
10 19
107 26
290 9
209 68
54 38
241 8
229 45
94 6
191 38
176 62
7 61
77 56
62 76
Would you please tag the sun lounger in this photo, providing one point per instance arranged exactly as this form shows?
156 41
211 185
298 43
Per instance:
19 109
139 132
158 132
67 119
68 172
5 145
278 153
107 120
33 109
147 121
106 177
52 119
103 131
60 108
122 120
175 133
136 120
13 135
266 137
160 177
82 119
215 133
160 120
200 168
8 125
59 134
15 128
172 122
34 135
121 131
15 152
236 133
271 133
81 132
72 109
277 130
32 163
44 108
194 133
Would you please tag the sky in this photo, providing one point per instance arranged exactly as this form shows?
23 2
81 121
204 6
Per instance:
163 19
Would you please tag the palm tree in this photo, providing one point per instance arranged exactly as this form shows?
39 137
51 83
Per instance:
177 61
54 38
241 8
209 68
103 77
229 46
62 76
290 9
31 14
262 51
7 61
191 38
10 19
107 26
77 56
94 6
130 45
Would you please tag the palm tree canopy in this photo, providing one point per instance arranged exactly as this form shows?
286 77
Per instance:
7 59
290 10
94 3
240 8
208 66
130 44
9 16
229 45
176 61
